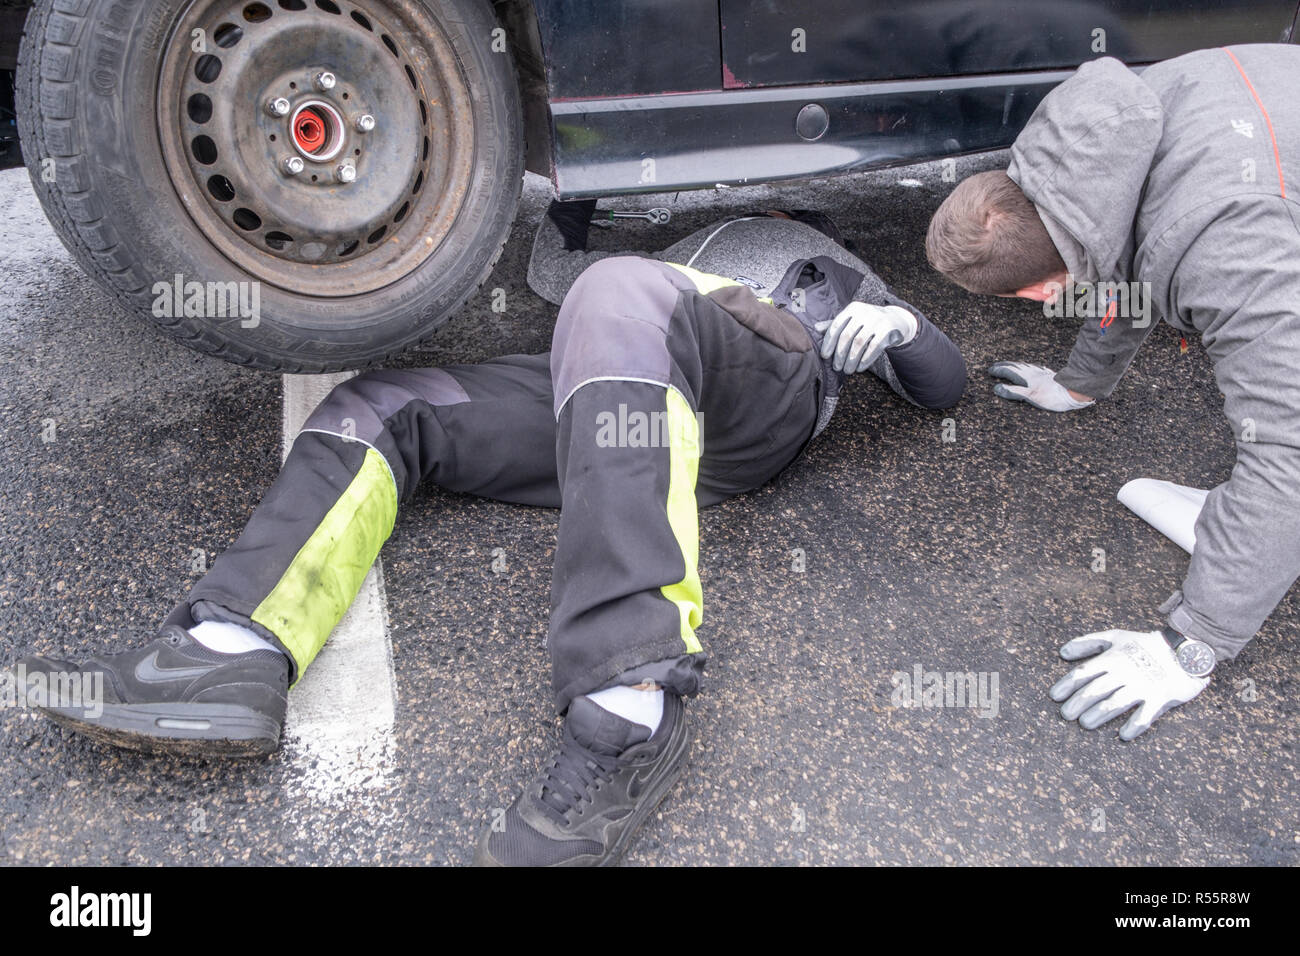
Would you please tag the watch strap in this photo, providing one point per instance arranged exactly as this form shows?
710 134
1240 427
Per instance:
1174 638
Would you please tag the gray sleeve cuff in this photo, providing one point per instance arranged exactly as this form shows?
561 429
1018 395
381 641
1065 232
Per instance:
1186 621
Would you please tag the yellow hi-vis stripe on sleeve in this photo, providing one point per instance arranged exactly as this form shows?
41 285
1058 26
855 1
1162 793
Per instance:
683 517
325 575
706 282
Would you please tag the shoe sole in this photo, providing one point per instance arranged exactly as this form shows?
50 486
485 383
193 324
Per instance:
186 730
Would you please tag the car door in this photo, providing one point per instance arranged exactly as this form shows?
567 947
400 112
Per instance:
789 42
651 95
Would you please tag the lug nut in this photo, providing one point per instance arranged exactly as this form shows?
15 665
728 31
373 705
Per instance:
293 165
325 81
278 106
346 173
365 122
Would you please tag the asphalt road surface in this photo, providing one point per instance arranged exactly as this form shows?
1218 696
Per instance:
971 555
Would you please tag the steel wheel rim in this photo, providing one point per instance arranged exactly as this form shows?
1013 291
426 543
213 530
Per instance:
230 156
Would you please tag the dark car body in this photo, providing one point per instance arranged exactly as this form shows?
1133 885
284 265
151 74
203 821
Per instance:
717 91
157 153
626 96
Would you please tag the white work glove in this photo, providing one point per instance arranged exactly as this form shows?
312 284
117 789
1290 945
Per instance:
1133 670
861 332
1035 385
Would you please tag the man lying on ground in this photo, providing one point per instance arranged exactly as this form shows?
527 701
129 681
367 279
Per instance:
732 344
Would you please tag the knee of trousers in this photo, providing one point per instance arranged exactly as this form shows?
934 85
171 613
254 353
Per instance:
613 325
364 408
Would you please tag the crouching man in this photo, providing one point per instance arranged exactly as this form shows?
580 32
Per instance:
1184 181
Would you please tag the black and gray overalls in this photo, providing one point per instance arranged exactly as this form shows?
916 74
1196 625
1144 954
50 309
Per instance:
668 387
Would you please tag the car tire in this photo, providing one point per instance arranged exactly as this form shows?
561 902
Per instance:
150 134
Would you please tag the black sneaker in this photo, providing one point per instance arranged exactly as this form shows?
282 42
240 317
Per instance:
586 804
171 696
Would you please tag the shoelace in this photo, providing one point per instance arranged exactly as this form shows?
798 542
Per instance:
109 657
572 775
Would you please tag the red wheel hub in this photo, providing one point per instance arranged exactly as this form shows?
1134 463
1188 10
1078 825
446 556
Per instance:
309 131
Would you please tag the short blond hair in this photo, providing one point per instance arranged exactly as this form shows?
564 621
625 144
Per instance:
987 237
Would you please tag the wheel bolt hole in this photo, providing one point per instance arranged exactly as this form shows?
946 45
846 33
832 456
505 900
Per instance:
199 108
208 68
227 35
204 149
247 220
221 188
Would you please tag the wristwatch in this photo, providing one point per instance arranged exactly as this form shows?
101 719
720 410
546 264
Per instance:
1195 657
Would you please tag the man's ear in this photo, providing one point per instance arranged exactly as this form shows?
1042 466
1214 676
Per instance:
1045 291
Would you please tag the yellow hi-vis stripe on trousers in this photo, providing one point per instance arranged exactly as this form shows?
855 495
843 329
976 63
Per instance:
683 516
325 575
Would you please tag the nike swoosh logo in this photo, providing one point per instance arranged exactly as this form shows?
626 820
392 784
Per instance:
638 782
148 671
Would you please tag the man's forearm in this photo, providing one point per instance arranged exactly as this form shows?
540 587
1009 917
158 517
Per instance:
928 371
1101 357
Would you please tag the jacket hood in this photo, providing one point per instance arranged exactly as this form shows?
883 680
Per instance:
1082 160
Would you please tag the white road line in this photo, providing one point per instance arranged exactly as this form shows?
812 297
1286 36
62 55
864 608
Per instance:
340 720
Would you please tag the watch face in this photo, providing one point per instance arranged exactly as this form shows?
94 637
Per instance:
1196 658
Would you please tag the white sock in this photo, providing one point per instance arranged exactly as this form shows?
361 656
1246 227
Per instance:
226 638
644 707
